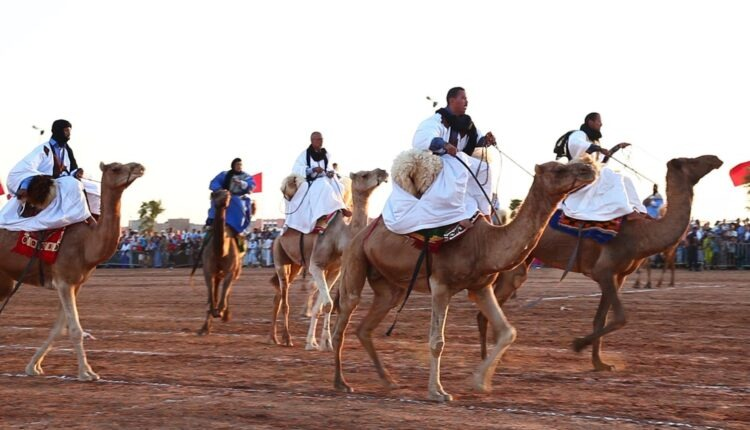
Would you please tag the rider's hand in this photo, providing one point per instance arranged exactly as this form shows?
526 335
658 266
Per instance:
450 149
489 139
79 174
317 169
330 174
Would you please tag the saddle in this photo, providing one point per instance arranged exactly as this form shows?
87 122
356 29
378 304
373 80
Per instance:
438 236
322 223
600 231
29 240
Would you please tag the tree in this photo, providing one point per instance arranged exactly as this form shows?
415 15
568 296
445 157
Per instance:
514 204
147 215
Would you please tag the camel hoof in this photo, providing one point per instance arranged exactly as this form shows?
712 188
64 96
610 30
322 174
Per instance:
312 346
88 375
480 386
579 344
343 386
326 346
215 314
441 397
203 332
226 316
648 285
604 367
34 370
288 342
273 341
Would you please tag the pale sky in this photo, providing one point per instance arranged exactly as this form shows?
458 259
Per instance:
183 87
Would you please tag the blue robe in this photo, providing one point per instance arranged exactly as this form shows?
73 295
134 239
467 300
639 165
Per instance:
238 212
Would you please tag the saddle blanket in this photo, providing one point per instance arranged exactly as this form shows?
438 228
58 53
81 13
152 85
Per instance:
51 239
600 231
436 237
322 223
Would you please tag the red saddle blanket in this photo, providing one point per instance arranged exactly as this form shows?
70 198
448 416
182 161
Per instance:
436 237
51 239
322 223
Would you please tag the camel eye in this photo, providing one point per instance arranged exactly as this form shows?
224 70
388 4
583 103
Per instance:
117 169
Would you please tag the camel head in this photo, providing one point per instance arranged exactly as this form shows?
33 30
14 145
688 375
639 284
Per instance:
41 191
694 169
290 184
364 181
561 179
116 176
220 199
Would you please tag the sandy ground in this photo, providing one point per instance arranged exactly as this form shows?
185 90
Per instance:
682 360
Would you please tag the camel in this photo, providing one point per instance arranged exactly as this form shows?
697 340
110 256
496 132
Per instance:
222 262
609 264
84 246
387 260
322 257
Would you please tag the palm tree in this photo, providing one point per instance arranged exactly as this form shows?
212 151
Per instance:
147 215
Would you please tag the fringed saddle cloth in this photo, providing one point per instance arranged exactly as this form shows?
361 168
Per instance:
600 231
28 241
436 237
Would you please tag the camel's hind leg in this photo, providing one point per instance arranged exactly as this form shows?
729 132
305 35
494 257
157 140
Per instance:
350 294
35 364
68 299
506 284
325 335
386 297
505 334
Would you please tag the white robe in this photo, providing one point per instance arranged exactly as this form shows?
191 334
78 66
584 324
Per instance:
611 196
69 207
313 200
454 195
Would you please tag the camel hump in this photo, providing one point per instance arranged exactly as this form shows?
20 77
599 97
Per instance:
41 191
290 185
415 170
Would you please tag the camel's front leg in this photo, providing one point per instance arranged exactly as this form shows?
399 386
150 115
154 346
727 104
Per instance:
226 289
505 334
319 280
35 365
68 300
325 333
440 299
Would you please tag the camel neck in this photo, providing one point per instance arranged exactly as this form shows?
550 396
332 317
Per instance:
673 224
102 242
219 230
511 244
360 205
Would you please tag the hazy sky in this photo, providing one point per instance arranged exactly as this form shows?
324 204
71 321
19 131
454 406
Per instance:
183 87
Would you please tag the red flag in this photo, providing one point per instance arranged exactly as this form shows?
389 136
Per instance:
258 178
740 174
2 190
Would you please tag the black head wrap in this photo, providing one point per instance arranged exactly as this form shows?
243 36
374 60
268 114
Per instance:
57 131
230 174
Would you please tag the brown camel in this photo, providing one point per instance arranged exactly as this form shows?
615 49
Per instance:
84 246
387 261
322 257
222 262
610 263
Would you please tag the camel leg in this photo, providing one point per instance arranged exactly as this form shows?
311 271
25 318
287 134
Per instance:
35 365
506 285
212 288
350 294
505 334
600 320
226 289
647 262
440 300
312 295
286 275
609 286
386 297
68 300
319 279
637 283
325 332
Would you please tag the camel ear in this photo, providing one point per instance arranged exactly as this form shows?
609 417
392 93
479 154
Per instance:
101 166
352 175
675 163
537 169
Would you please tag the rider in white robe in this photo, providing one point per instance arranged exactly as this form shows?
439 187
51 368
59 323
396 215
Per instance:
454 196
611 196
321 195
68 207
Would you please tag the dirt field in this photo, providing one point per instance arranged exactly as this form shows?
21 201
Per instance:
682 361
